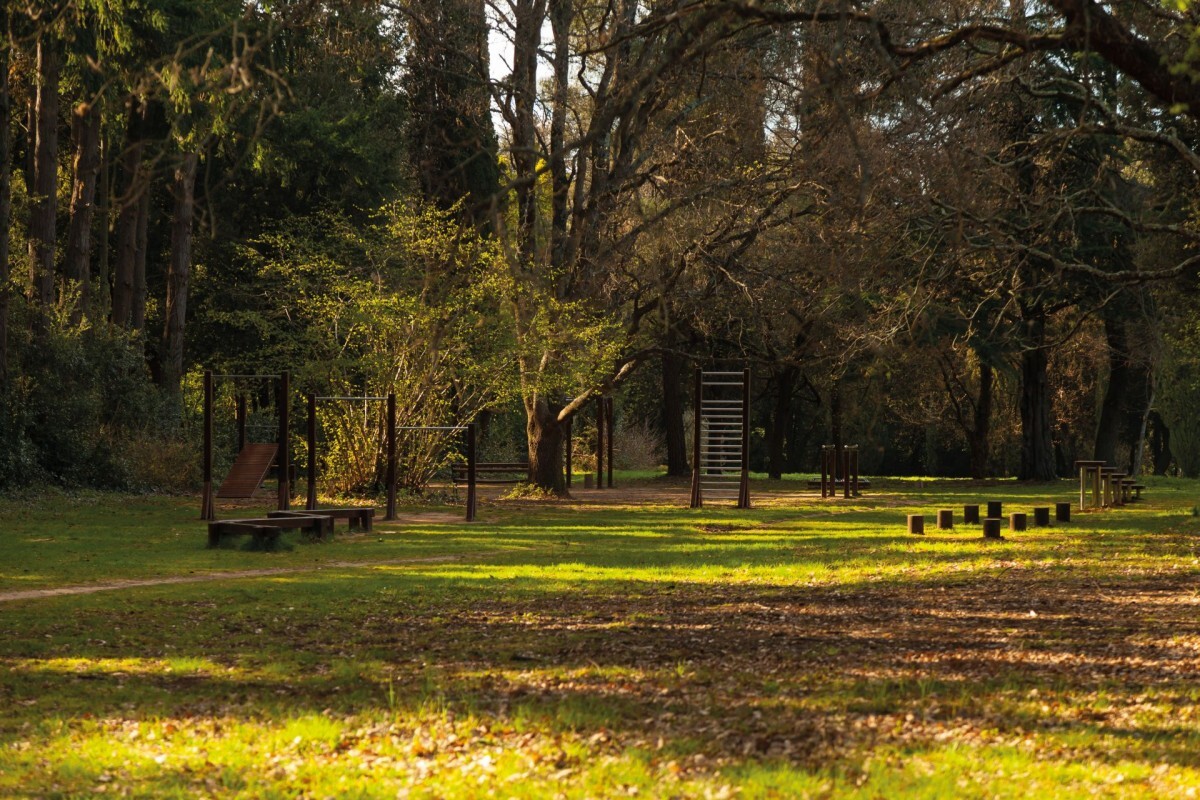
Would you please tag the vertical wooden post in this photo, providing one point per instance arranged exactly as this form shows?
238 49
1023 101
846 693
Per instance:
599 442
285 441
744 485
391 456
310 502
846 472
824 471
471 472
241 422
854 469
608 434
1082 487
570 446
697 396
207 511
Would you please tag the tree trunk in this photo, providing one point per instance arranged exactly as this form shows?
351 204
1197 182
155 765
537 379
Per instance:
44 217
545 435
1138 443
137 311
1037 445
128 209
673 427
85 127
835 414
1108 429
781 420
5 200
561 14
979 440
530 15
1160 443
179 272
103 302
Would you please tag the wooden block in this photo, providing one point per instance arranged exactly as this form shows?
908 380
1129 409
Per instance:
994 509
1017 521
1062 512
991 528
971 515
1041 517
945 519
916 523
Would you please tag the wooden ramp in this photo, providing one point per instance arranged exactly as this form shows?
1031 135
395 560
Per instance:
248 471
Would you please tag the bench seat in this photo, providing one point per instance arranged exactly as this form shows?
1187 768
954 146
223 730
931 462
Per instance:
492 472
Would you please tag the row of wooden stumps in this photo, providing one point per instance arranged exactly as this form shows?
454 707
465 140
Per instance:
839 468
994 521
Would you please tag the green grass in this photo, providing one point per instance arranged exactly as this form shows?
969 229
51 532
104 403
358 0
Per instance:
803 648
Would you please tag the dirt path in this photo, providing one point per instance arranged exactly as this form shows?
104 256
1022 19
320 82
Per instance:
208 577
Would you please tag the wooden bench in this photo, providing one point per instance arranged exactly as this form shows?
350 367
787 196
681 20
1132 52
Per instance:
362 517
266 530
492 472
863 483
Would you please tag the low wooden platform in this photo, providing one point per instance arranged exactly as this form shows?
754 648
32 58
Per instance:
265 530
361 517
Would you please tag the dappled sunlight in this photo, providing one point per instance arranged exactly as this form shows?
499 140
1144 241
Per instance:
666 650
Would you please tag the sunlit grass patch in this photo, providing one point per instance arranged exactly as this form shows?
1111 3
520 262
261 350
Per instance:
805 647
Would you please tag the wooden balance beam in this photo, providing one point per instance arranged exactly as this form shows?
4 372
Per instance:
266 529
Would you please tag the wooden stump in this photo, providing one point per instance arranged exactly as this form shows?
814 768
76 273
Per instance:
916 523
1062 512
994 511
991 528
1017 521
971 515
945 519
1041 517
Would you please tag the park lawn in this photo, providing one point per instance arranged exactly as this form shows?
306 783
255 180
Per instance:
803 648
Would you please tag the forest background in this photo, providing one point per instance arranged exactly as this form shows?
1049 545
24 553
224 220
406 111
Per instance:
959 234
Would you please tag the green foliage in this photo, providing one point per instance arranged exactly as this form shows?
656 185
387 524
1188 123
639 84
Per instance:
77 397
406 303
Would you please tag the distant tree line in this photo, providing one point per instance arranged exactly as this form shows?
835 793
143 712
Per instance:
960 235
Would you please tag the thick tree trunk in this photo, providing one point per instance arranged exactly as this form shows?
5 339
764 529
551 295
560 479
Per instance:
979 440
673 427
1160 443
85 127
1129 394
137 312
44 217
1108 429
529 15
545 435
5 199
179 272
781 420
1037 444
132 185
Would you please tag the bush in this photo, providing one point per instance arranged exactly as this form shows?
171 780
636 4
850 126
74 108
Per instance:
77 398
